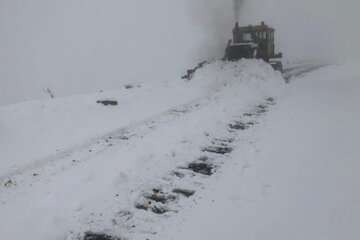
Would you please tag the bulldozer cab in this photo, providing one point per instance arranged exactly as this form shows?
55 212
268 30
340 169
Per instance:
252 42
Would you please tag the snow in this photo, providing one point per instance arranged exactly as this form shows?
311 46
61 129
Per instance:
290 162
59 124
293 177
81 163
292 174
255 75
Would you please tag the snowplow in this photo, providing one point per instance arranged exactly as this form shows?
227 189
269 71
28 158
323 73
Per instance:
253 42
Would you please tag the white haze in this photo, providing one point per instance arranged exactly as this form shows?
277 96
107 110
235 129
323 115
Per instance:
85 46
308 29
238 5
305 29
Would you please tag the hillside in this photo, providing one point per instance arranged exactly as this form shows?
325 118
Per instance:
79 162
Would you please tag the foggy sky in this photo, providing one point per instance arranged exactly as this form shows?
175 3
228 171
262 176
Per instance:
311 28
84 46
305 29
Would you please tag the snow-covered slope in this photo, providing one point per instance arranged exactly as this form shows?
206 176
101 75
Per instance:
47 127
232 153
79 163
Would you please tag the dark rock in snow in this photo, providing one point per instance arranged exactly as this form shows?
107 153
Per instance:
9 183
99 236
108 102
128 86
270 99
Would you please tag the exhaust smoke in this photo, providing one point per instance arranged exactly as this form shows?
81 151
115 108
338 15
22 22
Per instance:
215 20
237 5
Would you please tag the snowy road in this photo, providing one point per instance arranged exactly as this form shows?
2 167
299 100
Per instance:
264 169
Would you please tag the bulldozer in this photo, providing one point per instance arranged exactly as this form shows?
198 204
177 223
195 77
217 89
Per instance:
253 42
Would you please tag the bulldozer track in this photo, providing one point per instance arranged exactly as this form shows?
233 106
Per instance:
162 200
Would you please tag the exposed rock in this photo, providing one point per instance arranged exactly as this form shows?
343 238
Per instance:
107 102
99 236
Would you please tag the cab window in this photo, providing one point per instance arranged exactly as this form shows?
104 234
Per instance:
247 37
